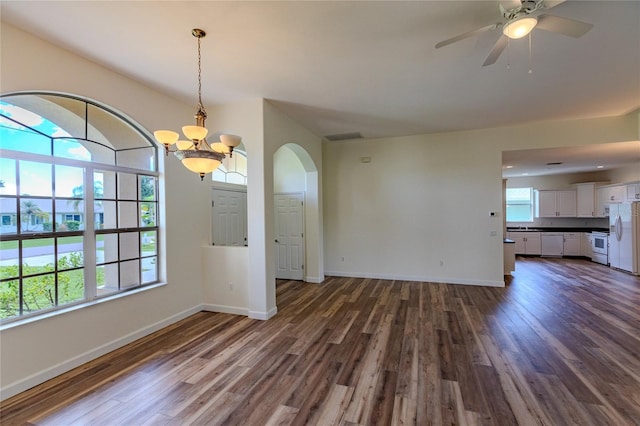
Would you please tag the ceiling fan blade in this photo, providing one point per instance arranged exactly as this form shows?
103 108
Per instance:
467 35
496 51
565 26
548 4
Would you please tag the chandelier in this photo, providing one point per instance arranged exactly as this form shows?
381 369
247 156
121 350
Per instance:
195 153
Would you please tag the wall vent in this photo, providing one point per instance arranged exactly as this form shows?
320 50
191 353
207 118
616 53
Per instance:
343 136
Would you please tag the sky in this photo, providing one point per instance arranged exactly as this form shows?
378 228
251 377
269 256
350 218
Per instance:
35 178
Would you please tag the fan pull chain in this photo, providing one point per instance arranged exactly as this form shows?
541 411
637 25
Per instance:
508 53
530 57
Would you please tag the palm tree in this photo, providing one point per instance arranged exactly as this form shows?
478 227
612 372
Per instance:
78 194
29 210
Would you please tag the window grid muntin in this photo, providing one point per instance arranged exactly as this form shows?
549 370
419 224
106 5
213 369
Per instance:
88 167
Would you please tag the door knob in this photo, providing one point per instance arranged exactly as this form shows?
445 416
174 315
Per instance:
277 241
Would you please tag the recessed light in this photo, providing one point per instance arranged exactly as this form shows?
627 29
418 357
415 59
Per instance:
600 167
509 167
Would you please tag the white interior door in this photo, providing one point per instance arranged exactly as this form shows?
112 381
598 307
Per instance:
289 231
228 217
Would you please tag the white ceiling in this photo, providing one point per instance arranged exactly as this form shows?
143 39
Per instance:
359 66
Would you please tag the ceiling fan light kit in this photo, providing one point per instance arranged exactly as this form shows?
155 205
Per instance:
519 22
195 153
520 27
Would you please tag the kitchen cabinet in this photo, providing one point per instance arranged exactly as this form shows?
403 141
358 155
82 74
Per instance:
633 192
571 246
586 199
556 203
606 195
586 249
526 242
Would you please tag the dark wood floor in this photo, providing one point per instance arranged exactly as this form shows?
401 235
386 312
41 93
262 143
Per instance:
559 345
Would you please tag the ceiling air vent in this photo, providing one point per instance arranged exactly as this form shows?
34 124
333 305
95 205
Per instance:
557 163
343 136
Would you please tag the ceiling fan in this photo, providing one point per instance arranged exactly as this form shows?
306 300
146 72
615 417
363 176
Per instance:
520 20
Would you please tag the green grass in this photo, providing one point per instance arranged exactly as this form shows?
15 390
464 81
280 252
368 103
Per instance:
4 245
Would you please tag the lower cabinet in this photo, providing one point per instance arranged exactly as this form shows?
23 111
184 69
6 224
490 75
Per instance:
571 245
586 249
526 242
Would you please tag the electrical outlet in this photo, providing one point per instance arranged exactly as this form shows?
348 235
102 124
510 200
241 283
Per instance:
230 286
442 263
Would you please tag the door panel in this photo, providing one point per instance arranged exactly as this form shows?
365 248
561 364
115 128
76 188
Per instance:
228 221
289 221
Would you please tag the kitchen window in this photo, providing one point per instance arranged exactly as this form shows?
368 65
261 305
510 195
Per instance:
519 204
79 204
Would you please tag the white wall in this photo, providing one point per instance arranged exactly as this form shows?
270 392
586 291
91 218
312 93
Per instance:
420 209
41 349
288 173
280 130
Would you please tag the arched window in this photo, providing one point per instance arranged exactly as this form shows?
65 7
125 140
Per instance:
233 169
78 204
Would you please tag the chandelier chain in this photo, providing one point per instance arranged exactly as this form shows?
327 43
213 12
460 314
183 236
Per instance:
199 77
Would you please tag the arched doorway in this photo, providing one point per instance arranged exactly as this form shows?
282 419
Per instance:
296 180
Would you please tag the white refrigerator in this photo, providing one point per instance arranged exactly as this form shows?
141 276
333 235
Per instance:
624 237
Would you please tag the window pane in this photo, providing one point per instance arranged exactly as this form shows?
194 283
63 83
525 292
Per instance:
129 245
106 248
71 148
127 186
518 194
9 259
9 299
148 243
519 213
107 279
70 286
38 293
69 182
70 253
147 214
15 137
129 274
7 176
127 214
35 215
8 215
147 188
140 158
149 270
108 218
37 256
69 215
35 179
104 185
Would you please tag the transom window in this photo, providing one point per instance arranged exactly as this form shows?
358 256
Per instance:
233 169
78 204
519 204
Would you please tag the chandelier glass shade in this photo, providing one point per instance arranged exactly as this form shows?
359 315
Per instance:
195 153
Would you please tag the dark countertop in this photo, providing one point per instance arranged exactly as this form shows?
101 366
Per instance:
508 241
557 229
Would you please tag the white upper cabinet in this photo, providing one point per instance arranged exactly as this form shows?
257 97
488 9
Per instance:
609 194
586 204
556 203
633 192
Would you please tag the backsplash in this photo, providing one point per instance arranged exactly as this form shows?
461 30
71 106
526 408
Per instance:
563 222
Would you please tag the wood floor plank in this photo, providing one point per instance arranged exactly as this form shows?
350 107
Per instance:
559 345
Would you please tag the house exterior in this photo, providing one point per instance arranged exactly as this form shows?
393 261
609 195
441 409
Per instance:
423 216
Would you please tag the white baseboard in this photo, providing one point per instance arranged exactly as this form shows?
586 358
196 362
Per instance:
316 280
440 280
225 309
54 371
263 315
